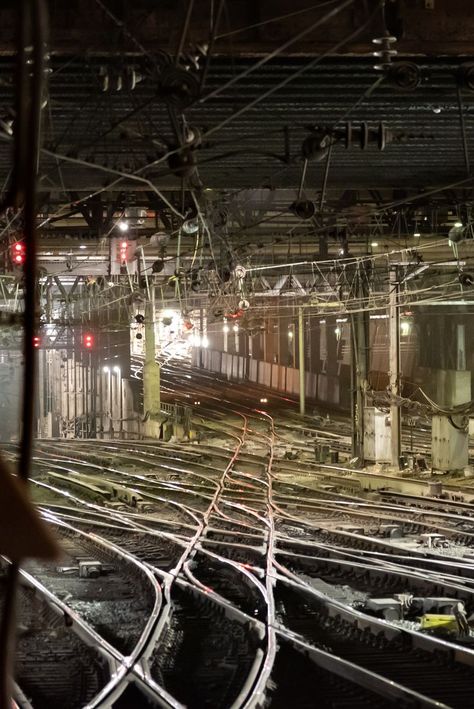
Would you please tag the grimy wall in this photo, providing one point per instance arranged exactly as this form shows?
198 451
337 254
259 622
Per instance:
269 354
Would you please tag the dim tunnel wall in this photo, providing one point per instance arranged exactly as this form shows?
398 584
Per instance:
270 358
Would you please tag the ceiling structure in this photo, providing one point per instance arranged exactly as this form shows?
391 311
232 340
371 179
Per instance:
276 136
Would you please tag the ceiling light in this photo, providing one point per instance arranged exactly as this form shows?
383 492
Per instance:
83 246
416 234
122 225
374 244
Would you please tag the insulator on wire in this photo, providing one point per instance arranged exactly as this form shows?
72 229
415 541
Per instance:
385 53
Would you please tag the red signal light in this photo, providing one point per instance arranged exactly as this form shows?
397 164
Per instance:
18 253
88 341
123 252
36 341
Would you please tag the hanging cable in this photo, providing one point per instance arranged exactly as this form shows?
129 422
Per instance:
302 70
184 31
276 52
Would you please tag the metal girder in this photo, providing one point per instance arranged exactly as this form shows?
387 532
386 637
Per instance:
440 26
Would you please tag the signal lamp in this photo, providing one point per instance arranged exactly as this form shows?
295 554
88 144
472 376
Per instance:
88 341
18 253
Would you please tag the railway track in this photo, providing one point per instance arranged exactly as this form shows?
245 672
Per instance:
228 573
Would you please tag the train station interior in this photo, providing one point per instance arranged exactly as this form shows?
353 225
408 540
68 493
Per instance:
236 354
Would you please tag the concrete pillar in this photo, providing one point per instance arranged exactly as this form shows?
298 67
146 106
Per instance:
450 434
151 368
301 360
377 438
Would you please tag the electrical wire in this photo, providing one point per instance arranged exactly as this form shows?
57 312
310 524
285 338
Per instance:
213 130
268 57
288 16
294 75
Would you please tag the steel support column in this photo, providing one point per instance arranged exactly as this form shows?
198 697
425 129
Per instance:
394 368
301 360
359 371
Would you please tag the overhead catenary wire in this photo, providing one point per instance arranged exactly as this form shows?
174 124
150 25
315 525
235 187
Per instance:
279 18
201 251
294 75
213 130
268 57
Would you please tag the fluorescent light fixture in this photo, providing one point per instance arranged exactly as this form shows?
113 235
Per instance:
374 244
405 328
416 234
83 246
458 224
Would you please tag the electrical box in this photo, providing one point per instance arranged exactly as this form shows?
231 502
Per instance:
450 445
90 569
322 452
377 435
